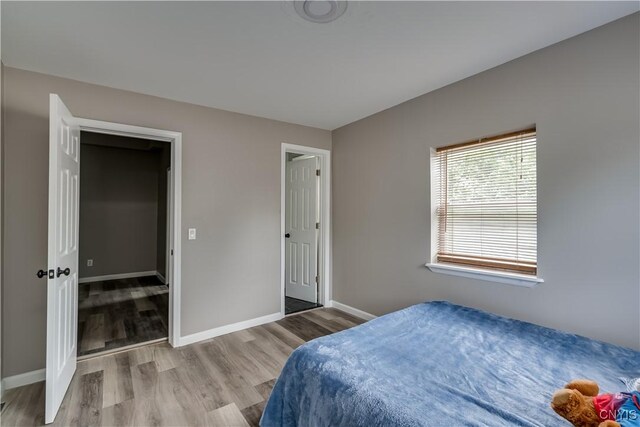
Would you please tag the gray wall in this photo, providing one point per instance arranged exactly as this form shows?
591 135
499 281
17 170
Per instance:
230 193
583 94
119 204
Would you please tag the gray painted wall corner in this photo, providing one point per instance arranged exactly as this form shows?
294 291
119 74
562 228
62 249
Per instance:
582 94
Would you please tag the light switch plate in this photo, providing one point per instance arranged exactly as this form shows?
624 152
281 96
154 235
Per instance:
192 234
89 263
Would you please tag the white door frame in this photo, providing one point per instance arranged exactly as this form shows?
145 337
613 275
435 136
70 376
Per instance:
167 264
175 138
324 238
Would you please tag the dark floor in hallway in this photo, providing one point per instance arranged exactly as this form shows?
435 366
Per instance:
294 305
119 313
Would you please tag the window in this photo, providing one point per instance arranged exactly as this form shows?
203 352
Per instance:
486 209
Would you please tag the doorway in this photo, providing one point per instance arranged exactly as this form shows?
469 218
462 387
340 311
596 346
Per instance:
123 291
305 228
63 240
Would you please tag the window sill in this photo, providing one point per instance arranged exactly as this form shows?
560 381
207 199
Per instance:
486 275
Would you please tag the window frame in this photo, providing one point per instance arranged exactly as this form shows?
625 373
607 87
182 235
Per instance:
462 270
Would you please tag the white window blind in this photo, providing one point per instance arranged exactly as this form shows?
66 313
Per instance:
487 207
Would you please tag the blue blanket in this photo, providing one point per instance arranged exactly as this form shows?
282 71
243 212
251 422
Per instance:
439 364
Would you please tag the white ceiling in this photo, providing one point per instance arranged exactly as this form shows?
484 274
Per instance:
260 58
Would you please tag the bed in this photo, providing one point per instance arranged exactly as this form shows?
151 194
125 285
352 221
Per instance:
439 364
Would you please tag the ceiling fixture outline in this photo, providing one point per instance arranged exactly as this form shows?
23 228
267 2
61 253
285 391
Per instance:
320 11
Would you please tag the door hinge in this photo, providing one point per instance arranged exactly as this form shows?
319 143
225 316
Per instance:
317 172
317 279
317 226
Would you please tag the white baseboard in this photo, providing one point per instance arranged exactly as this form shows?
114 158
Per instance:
39 375
161 277
23 379
351 310
117 276
227 329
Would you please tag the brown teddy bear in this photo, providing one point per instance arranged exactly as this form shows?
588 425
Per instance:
579 403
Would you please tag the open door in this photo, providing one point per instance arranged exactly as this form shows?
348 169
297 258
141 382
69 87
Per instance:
62 283
301 247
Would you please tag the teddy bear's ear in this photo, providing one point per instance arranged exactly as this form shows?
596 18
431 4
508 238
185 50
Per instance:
585 387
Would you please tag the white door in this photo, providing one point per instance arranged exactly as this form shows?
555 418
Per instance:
301 246
62 283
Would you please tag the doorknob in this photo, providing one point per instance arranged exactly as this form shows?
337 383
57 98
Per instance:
60 272
43 273
287 235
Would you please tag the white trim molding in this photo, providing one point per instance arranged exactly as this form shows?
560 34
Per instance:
324 265
23 379
486 275
351 310
175 138
117 276
227 329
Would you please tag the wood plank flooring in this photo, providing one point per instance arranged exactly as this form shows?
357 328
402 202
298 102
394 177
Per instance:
119 313
224 381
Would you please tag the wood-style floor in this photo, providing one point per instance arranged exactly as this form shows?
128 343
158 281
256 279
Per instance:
119 313
224 381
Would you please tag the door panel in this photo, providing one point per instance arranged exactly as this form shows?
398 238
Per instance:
62 286
301 189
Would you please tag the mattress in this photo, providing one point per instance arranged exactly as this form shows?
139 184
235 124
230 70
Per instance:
437 364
